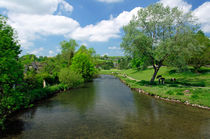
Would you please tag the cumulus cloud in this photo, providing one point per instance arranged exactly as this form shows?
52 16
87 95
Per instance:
105 29
202 13
31 27
33 19
34 6
110 1
181 4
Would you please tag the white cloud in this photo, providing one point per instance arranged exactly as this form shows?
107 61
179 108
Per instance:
181 4
34 6
114 48
31 27
37 51
203 15
105 29
110 1
65 6
33 19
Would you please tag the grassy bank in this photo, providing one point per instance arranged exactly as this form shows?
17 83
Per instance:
190 87
17 100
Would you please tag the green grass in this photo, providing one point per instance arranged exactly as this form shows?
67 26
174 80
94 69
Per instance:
190 86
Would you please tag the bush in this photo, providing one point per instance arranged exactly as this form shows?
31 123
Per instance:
70 78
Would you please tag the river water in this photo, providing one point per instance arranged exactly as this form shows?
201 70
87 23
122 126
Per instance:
106 108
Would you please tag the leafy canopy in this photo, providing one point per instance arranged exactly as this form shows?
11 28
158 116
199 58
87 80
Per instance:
160 35
83 64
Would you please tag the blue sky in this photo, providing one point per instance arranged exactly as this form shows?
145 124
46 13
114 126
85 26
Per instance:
42 24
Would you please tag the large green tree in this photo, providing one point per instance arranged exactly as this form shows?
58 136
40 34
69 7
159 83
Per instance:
11 71
160 35
83 64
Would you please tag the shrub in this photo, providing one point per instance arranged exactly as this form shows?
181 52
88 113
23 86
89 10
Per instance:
70 78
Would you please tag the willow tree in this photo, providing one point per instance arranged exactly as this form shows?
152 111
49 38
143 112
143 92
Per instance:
160 35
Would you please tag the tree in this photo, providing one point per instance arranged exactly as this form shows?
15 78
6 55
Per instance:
124 63
11 70
201 58
160 35
70 78
82 63
28 59
139 63
68 50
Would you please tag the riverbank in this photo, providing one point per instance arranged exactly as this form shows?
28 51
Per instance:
185 90
18 101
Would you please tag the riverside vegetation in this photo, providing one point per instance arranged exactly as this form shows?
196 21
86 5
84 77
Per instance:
26 79
190 87
158 41
167 43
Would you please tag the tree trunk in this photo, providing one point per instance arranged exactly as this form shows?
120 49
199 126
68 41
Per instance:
156 69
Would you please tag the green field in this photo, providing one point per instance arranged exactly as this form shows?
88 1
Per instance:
189 86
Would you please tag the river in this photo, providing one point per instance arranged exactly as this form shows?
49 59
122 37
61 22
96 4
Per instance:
106 108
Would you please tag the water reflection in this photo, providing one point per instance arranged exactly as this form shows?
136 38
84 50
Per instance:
15 125
107 108
159 119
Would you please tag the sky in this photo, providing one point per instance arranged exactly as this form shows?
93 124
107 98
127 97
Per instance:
42 24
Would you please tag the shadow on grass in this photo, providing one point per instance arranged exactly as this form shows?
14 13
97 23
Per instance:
180 84
190 71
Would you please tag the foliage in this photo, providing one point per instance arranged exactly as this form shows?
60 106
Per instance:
28 59
139 63
160 35
11 70
31 80
18 92
107 65
82 63
201 58
124 63
70 78
18 100
68 50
